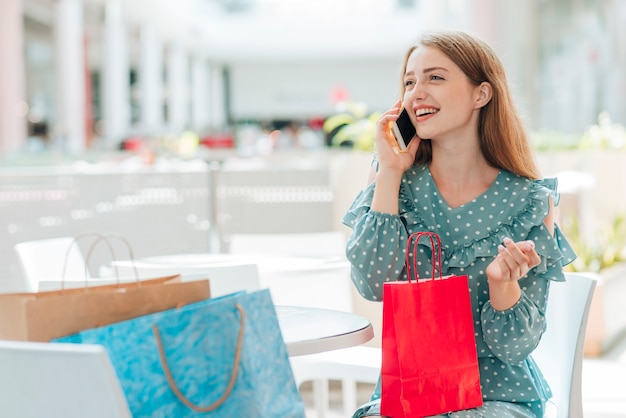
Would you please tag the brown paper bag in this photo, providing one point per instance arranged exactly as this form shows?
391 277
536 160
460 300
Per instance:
43 316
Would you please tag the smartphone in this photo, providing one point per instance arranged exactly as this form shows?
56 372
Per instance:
403 130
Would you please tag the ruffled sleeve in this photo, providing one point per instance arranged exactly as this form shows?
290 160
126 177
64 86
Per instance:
525 321
554 249
377 246
360 206
513 334
525 222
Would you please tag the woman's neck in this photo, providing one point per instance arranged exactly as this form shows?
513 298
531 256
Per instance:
461 176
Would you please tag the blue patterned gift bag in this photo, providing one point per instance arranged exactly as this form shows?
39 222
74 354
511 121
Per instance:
222 357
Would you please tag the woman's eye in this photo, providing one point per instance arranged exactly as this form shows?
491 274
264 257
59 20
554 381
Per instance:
436 77
408 83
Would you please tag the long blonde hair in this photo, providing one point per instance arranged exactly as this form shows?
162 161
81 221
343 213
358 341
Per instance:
502 136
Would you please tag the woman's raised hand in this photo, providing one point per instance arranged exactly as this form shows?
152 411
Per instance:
389 155
514 261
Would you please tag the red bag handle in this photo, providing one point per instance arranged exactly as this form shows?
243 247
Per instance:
411 267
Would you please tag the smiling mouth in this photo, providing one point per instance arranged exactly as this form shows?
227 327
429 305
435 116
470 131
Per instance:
426 111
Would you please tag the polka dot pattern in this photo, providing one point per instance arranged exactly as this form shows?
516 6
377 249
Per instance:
512 207
489 409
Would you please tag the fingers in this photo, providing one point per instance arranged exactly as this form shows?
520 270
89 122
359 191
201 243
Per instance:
386 144
387 118
414 145
516 259
533 257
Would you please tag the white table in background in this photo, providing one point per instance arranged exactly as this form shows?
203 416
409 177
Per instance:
313 330
268 263
322 282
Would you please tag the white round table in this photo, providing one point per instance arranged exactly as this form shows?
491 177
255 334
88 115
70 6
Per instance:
308 330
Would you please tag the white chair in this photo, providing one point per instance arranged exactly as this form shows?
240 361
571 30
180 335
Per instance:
43 263
45 259
53 263
331 290
349 365
56 380
560 352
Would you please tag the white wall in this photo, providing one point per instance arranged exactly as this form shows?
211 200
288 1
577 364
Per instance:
262 90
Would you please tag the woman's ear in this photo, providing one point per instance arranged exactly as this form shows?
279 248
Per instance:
484 94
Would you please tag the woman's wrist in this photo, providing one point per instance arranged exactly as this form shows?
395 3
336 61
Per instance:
504 295
386 191
389 175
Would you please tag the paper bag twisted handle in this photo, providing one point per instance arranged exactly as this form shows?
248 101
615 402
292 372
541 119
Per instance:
106 239
75 242
411 267
233 375
99 237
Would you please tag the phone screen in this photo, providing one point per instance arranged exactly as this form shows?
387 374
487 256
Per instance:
403 129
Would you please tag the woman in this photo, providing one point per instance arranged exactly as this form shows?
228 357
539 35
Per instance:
468 175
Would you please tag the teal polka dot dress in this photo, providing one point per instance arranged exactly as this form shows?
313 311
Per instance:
513 207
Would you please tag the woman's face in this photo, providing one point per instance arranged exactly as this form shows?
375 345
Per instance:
439 97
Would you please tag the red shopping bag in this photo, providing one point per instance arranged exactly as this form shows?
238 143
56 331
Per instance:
430 364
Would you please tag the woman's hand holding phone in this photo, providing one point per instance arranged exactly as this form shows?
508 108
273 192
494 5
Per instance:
392 163
390 154
403 129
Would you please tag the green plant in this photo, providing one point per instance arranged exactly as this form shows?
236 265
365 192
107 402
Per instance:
603 135
608 249
546 140
353 127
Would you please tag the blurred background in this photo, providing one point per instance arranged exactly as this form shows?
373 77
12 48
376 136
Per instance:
216 117
179 124
80 75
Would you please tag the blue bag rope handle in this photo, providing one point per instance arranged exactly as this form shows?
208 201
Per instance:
411 267
233 376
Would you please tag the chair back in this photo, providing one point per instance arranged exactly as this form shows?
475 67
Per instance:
560 352
57 380
44 259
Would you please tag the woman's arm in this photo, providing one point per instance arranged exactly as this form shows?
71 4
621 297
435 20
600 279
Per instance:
514 261
518 298
391 163
378 240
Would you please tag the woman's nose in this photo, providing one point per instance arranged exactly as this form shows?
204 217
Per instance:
417 93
